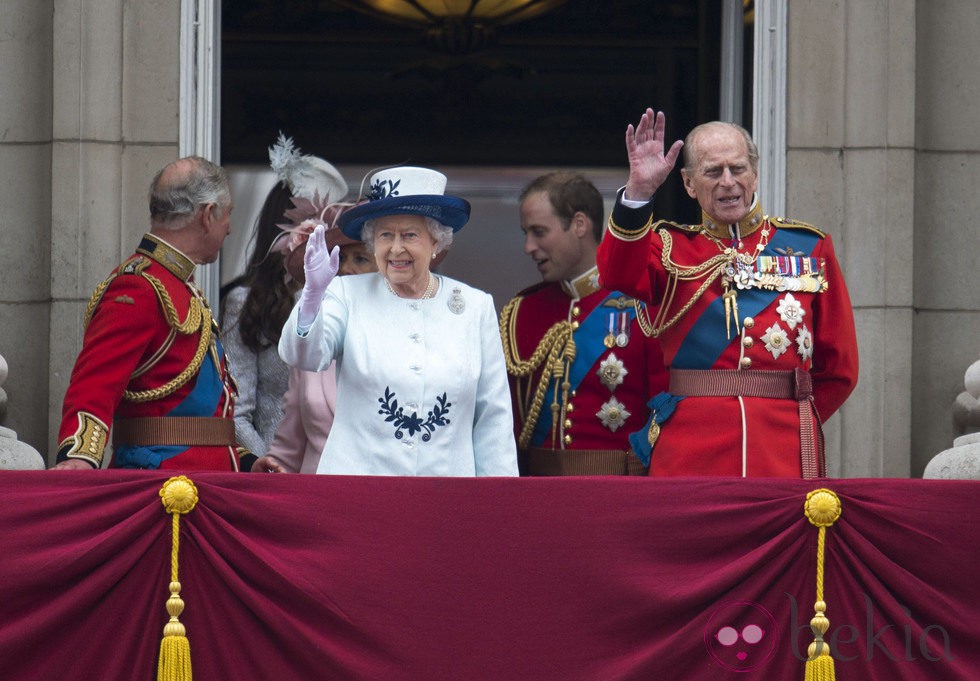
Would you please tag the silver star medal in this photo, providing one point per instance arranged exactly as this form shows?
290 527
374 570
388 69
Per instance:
612 371
456 303
613 414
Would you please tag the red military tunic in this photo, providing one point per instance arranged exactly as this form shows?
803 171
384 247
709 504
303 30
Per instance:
150 349
577 332
774 300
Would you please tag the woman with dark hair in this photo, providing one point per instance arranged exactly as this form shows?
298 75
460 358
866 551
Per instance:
255 310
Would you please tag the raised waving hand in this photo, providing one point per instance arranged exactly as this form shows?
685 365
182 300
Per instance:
649 164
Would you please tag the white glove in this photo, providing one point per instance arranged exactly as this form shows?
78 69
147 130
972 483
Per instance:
320 268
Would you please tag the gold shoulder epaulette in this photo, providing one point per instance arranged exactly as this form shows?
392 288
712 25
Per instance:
790 223
135 265
667 224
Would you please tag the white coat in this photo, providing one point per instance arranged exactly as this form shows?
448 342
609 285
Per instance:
421 389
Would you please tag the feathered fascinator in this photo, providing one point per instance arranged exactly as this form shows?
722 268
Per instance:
317 188
306 176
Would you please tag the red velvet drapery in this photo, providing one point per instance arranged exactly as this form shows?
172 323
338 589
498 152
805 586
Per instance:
313 577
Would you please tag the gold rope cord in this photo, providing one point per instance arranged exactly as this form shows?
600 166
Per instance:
554 355
93 302
198 319
711 269
195 311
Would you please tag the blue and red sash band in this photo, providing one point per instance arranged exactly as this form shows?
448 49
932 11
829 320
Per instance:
203 400
588 349
703 344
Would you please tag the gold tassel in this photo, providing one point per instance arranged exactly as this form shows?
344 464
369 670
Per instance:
822 509
179 495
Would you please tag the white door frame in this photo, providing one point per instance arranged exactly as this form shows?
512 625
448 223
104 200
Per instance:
769 101
200 101
769 90
200 93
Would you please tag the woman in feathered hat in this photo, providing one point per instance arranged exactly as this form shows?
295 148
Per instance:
422 386
256 307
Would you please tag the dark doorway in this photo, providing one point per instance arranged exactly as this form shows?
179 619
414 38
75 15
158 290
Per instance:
557 90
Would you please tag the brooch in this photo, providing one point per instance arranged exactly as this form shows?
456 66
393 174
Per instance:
456 303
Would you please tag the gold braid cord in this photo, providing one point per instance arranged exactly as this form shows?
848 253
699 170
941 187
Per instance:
198 320
710 270
93 302
625 234
553 355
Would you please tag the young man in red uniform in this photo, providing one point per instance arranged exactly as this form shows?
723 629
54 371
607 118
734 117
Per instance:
151 370
754 317
580 370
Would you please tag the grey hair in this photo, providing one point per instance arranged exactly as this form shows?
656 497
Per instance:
690 161
442 234
176 194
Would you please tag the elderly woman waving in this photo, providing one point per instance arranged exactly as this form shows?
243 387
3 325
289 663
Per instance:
421 383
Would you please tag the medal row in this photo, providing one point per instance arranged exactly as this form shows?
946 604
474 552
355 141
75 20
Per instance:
618 321
806 283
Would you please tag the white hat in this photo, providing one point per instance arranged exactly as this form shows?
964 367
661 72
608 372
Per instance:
407 190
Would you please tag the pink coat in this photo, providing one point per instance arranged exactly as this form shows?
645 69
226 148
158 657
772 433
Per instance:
308 408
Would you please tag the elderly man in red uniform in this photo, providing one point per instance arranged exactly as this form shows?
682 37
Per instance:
580 370
754 318
151 368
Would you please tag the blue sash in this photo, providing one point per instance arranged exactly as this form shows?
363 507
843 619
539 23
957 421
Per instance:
588 349
703 344
201 401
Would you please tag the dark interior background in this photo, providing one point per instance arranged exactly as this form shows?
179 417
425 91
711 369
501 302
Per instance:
554 91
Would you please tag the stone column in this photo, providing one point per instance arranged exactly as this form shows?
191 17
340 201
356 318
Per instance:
25 222
116 115
851 98
947 247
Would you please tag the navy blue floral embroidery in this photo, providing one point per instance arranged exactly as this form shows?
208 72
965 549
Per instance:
382 189
414 423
